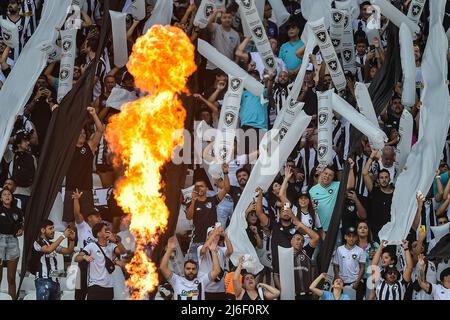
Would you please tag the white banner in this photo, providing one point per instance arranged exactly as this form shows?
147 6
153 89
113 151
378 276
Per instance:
404 145
351 6
365 103
415 10
280 12
228 66
10 33
205 9
228 123
138 9
65 83
377 136
408 66
325 129
119 33
395 15
265 170
286 267
29 67
337 28
315 9
348 46
161 14
250 17
435 117
288 116
119 97
328 53
53 51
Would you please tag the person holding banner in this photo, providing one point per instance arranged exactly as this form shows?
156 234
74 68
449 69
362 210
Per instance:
380 196
223 37
203 211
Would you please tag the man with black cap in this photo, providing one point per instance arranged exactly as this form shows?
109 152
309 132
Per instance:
437 291
349 260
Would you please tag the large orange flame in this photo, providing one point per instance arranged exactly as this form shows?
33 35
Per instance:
142 137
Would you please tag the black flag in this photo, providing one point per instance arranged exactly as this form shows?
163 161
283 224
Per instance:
62 134
380 91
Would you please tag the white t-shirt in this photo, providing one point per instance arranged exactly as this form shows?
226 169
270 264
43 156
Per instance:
439 292
348 262
206 266
98 275
85 235
184 289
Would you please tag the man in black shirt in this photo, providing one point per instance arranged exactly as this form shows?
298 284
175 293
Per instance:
380 197
303 273
282 233
203 211
79 175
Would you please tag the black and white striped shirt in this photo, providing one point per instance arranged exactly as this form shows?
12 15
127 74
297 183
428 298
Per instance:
394 291
94 10
23 26
47 261
34 7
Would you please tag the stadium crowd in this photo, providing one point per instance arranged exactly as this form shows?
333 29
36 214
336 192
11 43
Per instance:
294 212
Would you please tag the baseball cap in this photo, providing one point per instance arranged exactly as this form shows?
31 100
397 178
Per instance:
444 273
350 230
94 212
304 194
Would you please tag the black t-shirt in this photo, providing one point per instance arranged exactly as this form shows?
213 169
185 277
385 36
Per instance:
205 216
379 212
349 215
392 122
11 220
311 102
303 269
235 193
281 236
79 174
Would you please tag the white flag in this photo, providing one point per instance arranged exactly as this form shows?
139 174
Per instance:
205 9
68 40
328 53
408 66
325 129
119 32
251 18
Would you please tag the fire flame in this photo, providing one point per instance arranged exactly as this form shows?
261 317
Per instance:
142 137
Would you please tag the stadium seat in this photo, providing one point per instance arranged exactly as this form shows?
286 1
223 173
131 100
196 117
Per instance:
68 295
4 296
30 296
